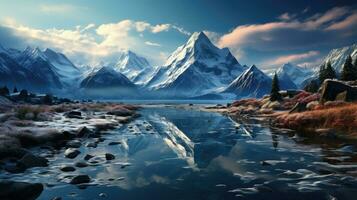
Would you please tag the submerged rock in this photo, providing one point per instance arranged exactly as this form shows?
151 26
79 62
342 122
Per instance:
109 156
113 143
88 156
81 164
83 131
71 153
29 160
80 179
67 168
10 190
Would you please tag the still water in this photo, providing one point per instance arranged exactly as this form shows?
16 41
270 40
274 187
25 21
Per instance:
171 153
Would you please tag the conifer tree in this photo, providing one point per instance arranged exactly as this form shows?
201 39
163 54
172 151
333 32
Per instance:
326 72
15 90
274 94
330 71
348 70
322 73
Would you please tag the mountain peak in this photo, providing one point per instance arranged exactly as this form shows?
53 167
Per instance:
198 39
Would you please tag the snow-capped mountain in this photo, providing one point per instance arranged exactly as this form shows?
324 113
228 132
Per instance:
285 82
337 57
67 71
136 68
106 77
295 73
195 68
251 83
11 73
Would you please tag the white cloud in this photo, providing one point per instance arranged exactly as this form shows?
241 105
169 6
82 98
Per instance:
92 43
57 8
152 44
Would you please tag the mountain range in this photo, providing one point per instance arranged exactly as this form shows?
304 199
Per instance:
194 69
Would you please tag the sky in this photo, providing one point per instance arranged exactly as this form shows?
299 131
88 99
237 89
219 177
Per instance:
265 33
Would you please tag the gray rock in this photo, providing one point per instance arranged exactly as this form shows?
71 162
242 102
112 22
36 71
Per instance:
80 179
332 89
29 160
109 156
83 131
71 153
67 168
10 190
81 164
114 143
88 156
74 114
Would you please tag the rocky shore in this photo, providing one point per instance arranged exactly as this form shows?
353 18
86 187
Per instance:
53 128
331 113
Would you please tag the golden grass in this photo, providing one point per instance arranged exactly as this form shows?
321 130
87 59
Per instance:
343 117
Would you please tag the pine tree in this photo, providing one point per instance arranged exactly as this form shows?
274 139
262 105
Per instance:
322 73
330 72
348 72
355 69
274 94
15 90
326 72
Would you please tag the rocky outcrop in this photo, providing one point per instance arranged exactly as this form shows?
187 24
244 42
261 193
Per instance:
332 90
11 190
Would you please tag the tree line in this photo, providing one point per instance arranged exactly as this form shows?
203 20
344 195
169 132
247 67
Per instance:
349 73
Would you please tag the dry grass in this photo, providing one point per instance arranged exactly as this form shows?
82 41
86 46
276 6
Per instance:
343 117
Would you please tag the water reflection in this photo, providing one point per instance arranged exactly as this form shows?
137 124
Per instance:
173 153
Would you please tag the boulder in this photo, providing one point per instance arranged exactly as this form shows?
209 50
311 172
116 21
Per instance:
10 190
88 156
74 114
80 179
29 160
71 153
332 89
83 131
67 168
109 156
81 164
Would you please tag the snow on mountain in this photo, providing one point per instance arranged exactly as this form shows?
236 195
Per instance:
106 77
36 61
285 82
295 73
337 57
251 83
195 68
135 67
67 71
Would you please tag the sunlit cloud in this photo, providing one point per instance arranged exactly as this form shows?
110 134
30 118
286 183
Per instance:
294 58
152 44
91 43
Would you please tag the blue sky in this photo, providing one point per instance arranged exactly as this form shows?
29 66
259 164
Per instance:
266 33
